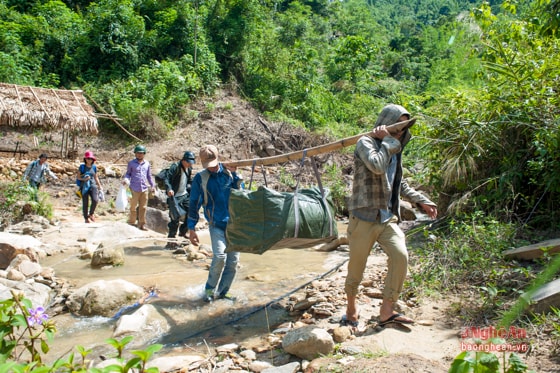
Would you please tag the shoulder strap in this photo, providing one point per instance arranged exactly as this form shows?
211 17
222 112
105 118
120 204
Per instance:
205 175
31 168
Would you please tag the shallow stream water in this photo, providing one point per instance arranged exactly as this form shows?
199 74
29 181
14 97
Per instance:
261 280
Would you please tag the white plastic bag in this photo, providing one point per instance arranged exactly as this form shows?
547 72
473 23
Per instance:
100 195
122 200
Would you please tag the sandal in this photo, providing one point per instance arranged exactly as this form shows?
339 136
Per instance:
345 322
395 319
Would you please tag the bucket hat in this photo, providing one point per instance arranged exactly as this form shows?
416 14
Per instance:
89 154
209 156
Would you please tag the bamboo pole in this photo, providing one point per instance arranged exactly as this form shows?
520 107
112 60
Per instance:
297 155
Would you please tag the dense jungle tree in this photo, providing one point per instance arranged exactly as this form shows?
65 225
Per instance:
498 145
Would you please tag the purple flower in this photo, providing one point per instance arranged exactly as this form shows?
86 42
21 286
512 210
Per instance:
37 316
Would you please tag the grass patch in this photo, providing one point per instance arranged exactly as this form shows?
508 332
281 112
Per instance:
18 199
466 258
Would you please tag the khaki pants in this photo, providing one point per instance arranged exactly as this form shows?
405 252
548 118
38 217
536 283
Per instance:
139 199
362 235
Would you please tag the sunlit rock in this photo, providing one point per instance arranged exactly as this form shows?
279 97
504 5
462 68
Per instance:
308 342
107 256
103 298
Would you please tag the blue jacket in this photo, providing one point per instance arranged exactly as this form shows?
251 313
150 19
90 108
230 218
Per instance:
218 188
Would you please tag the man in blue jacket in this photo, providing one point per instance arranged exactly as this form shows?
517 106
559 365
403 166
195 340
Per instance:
211 188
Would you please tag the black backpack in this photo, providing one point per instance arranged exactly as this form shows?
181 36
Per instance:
160 178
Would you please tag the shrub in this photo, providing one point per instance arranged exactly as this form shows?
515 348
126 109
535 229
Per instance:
19 199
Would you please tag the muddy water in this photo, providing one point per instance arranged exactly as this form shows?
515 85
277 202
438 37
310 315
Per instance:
261 281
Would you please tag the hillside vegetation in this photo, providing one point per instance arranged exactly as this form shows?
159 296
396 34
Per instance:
482 77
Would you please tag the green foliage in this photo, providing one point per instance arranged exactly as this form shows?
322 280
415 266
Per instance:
19 64
229 27
111 47
522 303
151 100
338 189
58 31
119 345
19 198
469 254
550 321
514 113
318 63
25 333
287 178
487 362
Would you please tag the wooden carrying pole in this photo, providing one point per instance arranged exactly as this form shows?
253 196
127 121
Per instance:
297 155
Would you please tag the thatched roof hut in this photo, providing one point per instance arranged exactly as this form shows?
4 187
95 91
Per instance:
64 111
50 109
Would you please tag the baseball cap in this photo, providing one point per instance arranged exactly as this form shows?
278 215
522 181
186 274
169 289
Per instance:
209 156
189 157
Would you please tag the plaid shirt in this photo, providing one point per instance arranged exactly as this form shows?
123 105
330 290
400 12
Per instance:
36 171
371 188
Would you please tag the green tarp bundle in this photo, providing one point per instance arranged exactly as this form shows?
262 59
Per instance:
264 218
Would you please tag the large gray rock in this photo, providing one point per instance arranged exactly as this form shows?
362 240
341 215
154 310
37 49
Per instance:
157 220
292 367
545 297
103 298
15 275
114 233
12 245
308 342
25 266
38 294
258 366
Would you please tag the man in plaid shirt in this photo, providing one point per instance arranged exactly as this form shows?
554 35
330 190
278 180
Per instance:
374 212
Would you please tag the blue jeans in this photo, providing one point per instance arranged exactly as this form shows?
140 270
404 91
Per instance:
224 265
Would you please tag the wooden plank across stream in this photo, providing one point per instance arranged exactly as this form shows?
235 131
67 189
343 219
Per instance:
534 251
545 297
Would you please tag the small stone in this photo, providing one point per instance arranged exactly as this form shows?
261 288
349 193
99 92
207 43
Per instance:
425 322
